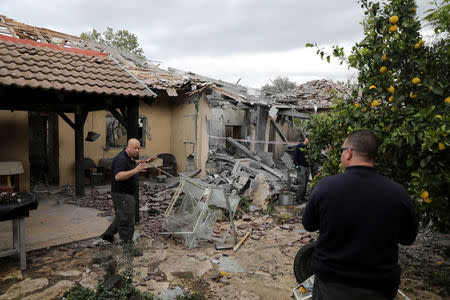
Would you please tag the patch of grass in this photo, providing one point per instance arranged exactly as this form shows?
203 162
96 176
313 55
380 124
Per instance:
284 217
123 289
193 296
440 280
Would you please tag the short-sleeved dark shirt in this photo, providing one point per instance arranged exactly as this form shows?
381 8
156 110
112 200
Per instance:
122 162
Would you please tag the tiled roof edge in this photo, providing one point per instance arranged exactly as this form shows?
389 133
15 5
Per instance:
52 46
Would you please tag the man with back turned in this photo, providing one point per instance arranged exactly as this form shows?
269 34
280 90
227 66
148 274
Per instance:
361 217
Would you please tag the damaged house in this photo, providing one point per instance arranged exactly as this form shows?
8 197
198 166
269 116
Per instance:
189 117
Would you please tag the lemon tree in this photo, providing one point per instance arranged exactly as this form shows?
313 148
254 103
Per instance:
403 97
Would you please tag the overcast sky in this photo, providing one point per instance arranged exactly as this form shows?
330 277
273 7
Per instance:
251 40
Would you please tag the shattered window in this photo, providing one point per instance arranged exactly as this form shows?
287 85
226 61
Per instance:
116 133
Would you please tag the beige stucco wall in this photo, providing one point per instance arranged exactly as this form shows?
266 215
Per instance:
203 139
183 130
14 142
158 117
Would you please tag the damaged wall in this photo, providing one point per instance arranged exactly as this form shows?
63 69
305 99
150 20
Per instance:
14 137
187 117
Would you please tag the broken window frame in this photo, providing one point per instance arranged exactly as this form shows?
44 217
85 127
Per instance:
203 196
114 128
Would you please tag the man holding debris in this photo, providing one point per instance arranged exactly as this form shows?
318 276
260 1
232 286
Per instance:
124 186
362 217
302 166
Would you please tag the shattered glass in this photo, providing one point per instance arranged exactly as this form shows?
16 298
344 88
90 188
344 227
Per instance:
193 211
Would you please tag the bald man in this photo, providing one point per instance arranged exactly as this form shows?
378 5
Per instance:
362 217
125 194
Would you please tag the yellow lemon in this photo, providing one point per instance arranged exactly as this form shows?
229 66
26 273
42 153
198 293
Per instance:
393 20
421 42
383 69
447 100
302 289
390 99
384 57
390 89
438 116
393 28
424 195
414 9
357 105
393 108
442 146
412 95
427 200
439 262
375 103
374 87
417 46
416 80
364 109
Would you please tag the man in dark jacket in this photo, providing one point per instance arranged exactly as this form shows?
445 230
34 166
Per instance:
302 166
124 186
362 217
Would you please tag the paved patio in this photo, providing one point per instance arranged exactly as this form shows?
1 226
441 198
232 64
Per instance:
54 223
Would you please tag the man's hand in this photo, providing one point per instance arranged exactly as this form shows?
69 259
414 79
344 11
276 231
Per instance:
142 167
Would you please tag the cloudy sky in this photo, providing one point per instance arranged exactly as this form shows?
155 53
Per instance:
251 40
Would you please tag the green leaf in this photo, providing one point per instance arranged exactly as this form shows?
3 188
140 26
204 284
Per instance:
409 161
424 162
328 59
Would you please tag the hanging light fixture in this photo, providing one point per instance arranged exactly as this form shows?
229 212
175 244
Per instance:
92 135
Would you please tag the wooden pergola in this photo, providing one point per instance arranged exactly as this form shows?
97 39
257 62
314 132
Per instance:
43 77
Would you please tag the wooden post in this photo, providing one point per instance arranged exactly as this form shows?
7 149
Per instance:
261 125
132 119
80 118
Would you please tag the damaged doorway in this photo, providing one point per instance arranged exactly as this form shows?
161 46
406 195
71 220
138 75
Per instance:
43 148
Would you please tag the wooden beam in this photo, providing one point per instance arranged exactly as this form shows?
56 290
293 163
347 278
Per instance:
118 116
124 112
66 118
243 148
278 130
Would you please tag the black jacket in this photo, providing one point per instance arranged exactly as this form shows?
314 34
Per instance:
362 217
300 155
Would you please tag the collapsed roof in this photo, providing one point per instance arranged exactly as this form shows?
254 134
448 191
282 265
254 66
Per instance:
314 95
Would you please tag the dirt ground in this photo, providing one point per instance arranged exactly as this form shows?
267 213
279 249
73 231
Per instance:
262 268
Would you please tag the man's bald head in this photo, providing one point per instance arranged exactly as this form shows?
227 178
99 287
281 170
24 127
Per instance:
133 147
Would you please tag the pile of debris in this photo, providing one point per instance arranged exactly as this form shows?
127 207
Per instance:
153 202
255 176
315 93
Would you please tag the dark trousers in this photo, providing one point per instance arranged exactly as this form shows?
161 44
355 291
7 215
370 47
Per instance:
302 181
124 206
337 291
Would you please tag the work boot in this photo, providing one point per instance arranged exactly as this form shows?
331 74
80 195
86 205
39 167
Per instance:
107 237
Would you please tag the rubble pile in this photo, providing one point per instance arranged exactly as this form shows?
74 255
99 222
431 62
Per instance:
315 93
153 202
100 201
245 176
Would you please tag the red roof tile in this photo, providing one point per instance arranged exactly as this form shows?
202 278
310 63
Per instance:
26 63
